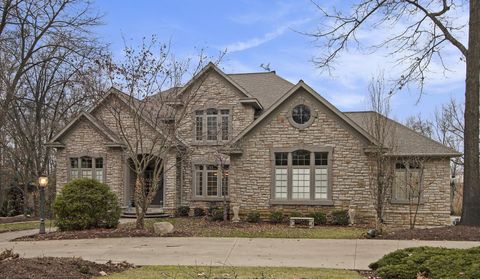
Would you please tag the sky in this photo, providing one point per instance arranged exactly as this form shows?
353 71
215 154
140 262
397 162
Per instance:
270 32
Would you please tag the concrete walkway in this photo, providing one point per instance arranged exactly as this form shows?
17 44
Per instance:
344 254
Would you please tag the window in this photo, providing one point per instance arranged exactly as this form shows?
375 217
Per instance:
215 122
301 175
301 114
199 125
212 124
87 167
407 181
211 176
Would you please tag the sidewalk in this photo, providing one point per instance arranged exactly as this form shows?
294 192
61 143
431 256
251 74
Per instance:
343 254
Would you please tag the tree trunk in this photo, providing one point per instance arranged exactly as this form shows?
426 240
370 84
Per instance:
471 196
139 202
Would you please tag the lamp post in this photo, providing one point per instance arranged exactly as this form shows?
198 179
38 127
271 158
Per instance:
42 183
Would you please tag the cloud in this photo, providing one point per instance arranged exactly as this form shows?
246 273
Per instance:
255 42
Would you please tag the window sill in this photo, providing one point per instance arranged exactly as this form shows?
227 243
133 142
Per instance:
211 199
210 143
301 202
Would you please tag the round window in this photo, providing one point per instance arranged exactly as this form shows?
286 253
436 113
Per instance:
301 114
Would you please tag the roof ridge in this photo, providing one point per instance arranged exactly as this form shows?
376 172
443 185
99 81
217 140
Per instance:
254 73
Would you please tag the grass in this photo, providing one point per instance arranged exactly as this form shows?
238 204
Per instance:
206 272
200 227
20 226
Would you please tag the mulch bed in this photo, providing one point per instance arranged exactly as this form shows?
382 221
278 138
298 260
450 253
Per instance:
14 267
89 234
458 233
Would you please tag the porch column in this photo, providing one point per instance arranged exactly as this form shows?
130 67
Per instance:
170 176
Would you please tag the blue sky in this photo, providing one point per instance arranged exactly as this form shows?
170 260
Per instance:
256 32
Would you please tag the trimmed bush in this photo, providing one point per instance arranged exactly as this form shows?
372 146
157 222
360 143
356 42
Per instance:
216 214
86 204
276 217
320 218
198 212
253 217
340 217
183 211
431 262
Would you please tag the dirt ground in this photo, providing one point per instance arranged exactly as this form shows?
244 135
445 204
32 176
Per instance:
14 267
458 233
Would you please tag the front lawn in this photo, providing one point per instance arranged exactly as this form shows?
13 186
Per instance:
200 227
206 272
20 226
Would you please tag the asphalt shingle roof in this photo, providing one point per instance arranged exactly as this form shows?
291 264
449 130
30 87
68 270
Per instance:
267 87
406 140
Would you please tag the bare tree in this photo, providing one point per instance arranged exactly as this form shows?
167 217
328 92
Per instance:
29 29
148 118
381 168
420 125
429 27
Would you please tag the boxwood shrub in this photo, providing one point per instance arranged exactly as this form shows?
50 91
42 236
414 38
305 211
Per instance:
320 218
183 211
253 217
429 262
86 204
276 217
340 217
198 212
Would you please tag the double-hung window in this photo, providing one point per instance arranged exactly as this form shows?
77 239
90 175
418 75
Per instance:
210 182
212 125
301 175
87 167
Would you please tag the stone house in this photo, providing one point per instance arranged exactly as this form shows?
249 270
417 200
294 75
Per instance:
284 147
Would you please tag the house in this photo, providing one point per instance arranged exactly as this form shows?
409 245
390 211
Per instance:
285 148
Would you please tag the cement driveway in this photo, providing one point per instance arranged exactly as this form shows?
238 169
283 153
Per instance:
328 253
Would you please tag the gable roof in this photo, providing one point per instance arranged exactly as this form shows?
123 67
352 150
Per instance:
212 67
303 85
267 87
407 142
97 124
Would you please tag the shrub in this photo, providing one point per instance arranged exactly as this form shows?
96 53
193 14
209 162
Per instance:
198 212
340 217
216 214
296 214
431 262
85 204
183 211
13 204
276 217
253 217
320 218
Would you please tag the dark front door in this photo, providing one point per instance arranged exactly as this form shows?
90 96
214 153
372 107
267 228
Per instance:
158 199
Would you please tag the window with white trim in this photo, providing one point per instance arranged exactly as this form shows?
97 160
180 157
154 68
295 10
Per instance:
212 125
87 167
209 182
301 175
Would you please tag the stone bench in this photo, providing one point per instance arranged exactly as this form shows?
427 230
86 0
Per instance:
309 219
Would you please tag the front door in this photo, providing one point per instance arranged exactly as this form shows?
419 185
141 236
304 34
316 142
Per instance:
158 199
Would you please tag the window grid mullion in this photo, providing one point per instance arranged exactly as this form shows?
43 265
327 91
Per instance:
312 176
289 176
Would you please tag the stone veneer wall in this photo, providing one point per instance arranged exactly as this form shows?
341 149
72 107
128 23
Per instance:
214 92
435 210
251 172
85 140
